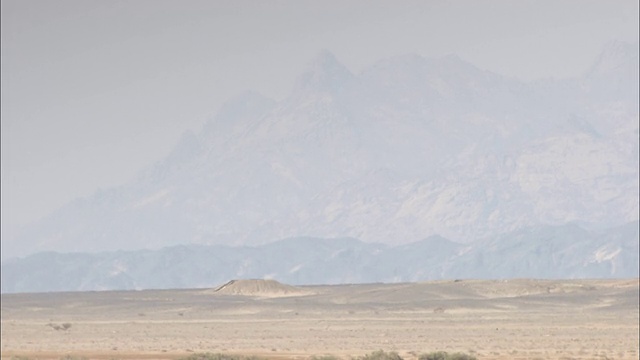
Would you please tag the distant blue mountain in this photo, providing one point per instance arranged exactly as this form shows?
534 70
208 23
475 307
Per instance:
567 251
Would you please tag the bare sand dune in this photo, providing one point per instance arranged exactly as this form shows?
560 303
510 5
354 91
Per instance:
515 319
260 288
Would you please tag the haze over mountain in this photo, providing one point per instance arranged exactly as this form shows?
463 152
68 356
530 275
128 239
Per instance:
549 252
407 149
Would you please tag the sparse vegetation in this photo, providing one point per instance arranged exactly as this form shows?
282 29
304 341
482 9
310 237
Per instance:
63 327
438 355
376 355
443 355
324 357
218 356
382 355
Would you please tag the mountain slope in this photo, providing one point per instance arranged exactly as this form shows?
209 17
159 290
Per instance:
407 149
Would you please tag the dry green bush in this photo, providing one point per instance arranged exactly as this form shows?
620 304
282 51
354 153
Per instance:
64 327
381 355
218 356
324 357
443 355
376 355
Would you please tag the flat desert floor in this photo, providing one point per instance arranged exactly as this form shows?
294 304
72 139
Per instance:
506 319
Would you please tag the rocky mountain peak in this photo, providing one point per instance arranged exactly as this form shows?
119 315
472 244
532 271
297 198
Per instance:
615 56
246 106
415 148
324 74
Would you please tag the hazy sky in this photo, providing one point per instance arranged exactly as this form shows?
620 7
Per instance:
93 91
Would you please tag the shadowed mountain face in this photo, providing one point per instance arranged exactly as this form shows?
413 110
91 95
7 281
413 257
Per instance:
409 148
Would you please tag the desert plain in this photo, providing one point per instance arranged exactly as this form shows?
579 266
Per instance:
489 319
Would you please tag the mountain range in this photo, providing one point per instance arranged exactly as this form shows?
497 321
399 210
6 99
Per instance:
410 148
550 252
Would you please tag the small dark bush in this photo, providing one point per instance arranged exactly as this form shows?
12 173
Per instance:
461 356
324 357
382 355
217 356
443 355
63 327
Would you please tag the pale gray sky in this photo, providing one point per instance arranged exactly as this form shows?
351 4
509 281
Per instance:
95 90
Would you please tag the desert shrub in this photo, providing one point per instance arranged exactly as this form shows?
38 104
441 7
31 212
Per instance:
461 356
19 357
443 355
382 355
218 356
64 327
324 357
70 357
437 355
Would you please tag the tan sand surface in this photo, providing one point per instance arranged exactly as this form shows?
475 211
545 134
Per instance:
514 319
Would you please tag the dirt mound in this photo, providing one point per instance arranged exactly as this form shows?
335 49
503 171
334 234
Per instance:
260 288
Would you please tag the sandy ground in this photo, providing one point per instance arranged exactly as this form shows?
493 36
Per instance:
515 319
